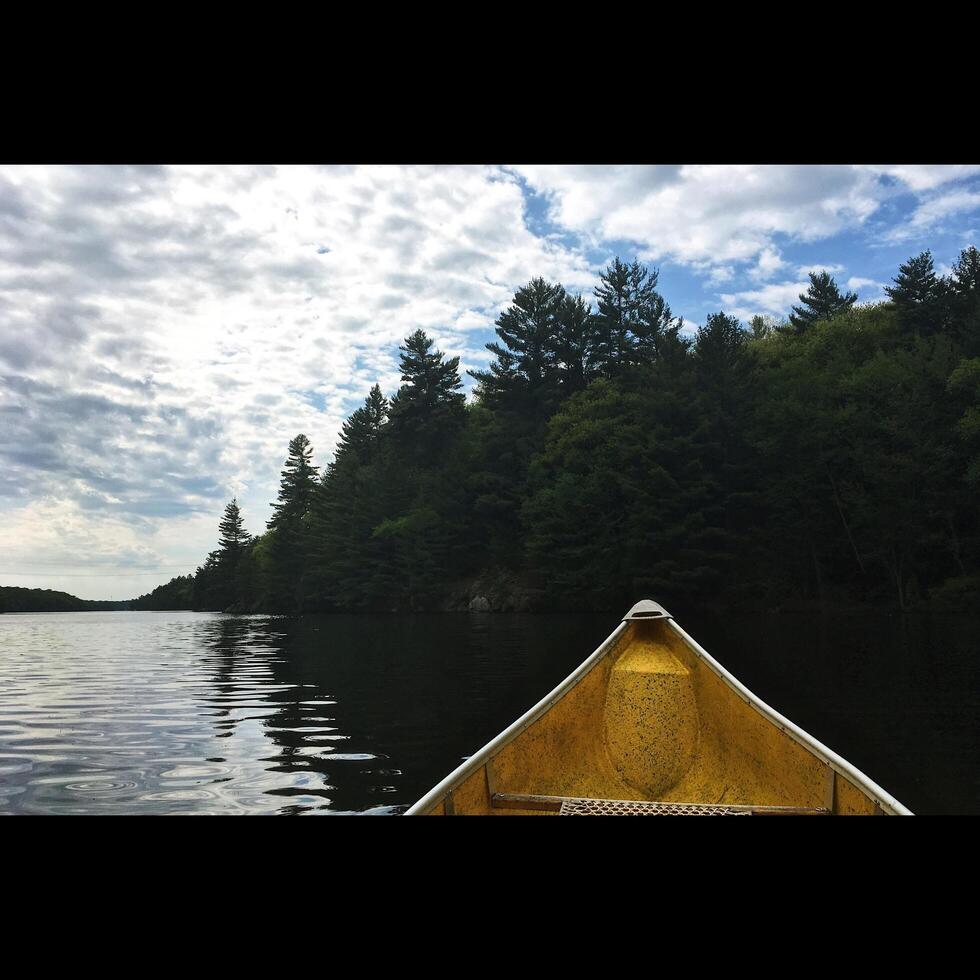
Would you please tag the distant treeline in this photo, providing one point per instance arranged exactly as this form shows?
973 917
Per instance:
178 593
830 458
13 599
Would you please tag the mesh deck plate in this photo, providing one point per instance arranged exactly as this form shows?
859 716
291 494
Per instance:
637 808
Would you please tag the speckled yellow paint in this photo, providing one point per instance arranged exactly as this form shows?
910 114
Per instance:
651 721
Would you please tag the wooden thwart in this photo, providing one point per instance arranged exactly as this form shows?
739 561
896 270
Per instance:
578 806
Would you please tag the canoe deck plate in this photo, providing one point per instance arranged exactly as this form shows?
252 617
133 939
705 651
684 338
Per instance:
638 808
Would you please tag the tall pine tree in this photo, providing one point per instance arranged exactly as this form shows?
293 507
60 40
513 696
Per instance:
965 286
526 358
361 434
630 318
822 301
232 536
574 345
289 542
918 295
296 484
429 404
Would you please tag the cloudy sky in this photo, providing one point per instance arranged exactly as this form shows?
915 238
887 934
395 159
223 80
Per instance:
164 331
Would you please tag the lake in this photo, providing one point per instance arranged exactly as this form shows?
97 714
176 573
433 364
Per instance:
180 712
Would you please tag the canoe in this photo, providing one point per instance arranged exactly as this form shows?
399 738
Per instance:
652 725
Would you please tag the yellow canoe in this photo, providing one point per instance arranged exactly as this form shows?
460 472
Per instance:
651 724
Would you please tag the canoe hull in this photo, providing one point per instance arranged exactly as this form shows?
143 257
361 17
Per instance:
652 717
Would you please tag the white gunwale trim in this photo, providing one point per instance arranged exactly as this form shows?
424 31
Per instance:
884 800
474 762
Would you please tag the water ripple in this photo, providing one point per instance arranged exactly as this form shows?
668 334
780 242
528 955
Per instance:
205 713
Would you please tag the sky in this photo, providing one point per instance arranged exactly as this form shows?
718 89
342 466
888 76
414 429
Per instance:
166 330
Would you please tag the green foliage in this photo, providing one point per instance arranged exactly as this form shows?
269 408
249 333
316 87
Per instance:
526 357
285 580
607 456
361 435
964 287
296 484
631 318
14 599
178 593
964 386
920 296
232 536
822 301
765 326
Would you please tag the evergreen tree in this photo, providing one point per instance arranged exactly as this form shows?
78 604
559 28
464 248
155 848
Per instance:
718 343
207 593
964 385
966 272
296 484
232 542
965 299
543 356
428 408
918 295
288 537
630 318
528 329
822 301
574 344
722 400
763 326
347 504
361 434
232 535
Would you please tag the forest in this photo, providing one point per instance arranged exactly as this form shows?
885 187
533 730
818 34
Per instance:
15 599
832 458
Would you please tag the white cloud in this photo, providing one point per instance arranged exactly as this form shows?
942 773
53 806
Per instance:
872 290
927 177
164 332
776 299
720 274
768 264
831 267
932 211
707 214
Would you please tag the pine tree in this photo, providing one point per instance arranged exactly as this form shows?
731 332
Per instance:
965 300
630 318
232 544
918 295
232 535
763 326
718 343
416 479
347 503
429 403
361 434
528 330
966 272
296 485
207 593
822 301
574 344
289 540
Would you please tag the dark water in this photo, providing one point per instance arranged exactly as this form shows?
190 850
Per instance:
202 713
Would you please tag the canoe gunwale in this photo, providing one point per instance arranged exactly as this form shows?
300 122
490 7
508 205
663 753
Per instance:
465 769
884 800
